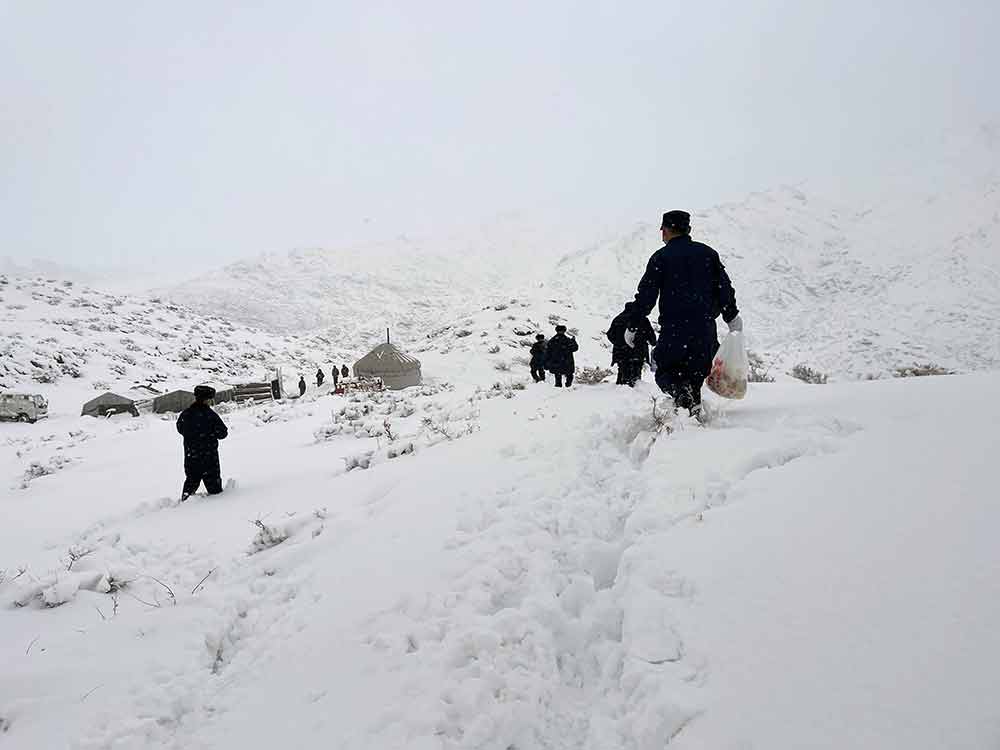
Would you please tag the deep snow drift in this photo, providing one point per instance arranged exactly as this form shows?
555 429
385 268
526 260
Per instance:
515 569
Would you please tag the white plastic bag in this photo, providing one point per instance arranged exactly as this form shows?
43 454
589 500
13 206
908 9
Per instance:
730 368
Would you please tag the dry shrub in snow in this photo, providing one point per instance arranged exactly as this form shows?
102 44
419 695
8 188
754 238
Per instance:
759 372
919 371
38 469
808 375
592 375
267 537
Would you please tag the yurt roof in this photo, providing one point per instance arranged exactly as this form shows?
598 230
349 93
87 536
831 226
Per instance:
387 358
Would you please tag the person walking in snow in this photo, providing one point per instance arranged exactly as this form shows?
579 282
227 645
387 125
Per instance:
202 430
345 372
538 359
302 386
320 377
559 356
693 290
630 335
335 374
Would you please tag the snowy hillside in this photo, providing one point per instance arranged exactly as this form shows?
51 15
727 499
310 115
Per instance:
354 293
457 568
70 342
907 272
902 273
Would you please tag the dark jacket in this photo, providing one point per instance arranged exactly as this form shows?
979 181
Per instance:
345 372
320 377
559 354
202 429
336 375
538 355
693 289
644 336
302 386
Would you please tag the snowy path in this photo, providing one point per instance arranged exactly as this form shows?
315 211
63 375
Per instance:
545 583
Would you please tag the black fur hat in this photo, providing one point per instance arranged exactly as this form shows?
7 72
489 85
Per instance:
203 392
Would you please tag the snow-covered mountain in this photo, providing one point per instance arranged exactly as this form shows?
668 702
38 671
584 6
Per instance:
354 293
854 292
903 274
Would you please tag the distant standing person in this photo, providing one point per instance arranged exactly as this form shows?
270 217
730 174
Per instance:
345 372
320 377
630 335
202 429
693 289
538 359
302 386
559 356
335 373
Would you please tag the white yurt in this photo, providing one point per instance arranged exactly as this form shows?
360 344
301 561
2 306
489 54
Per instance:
396 369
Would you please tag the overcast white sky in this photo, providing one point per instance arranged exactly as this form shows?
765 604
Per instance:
204 132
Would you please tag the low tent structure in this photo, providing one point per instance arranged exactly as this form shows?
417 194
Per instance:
109 403
175 401
396 369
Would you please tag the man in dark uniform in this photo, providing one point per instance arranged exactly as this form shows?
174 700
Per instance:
320 377
302 386
345 372
693 289
202 429
538 359
559 358
630 335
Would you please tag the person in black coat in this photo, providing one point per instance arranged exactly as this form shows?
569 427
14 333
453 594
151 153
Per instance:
538 359
335 374
320 377
202 429
345 372
559 356
693 290
302 386
630 335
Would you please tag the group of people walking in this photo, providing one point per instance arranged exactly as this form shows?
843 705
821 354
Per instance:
692 287
688 280
555 356
335 375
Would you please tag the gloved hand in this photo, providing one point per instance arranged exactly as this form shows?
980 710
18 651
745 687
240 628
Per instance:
630 337
736 324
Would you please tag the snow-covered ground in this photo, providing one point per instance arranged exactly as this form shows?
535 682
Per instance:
515 569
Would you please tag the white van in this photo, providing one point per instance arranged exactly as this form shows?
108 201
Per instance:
22 407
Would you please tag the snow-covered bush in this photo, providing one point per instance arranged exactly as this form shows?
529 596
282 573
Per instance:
919 371
358 460
759 372
808 375
266 537
592 375
38 469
